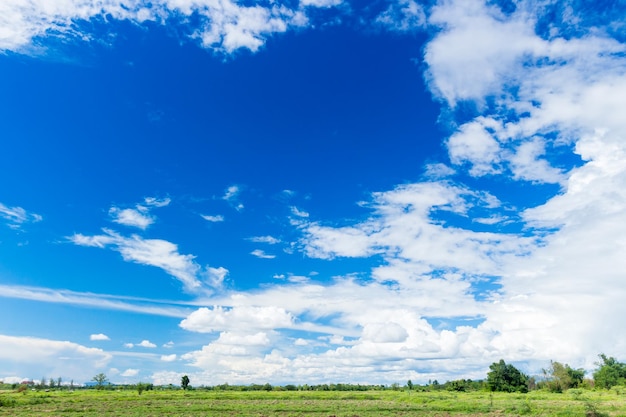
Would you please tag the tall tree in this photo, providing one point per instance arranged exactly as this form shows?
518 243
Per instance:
560 377
507 378
610 372
100 380
184 382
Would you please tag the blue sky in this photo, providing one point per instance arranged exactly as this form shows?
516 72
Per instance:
309 192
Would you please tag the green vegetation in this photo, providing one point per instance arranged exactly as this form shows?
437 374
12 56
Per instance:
561 391
506 378
284 403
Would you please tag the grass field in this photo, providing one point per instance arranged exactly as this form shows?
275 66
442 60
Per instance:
310 403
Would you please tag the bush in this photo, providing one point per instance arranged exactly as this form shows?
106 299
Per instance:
7 402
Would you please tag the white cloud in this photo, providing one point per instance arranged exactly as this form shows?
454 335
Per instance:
129 345
475 145
320 3
483 43
157 202
169 358
213 219
130 372
146 344
215 277
270 240
205 320
104 301
261 254
131 217
168 345
139 216
438 171
231 195
37 356
99 336
17 216
403 16
155 252
299 213
223 26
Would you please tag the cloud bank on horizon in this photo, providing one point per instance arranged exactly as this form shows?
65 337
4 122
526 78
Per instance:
459 272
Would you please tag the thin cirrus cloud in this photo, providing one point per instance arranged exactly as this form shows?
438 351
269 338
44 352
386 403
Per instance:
154 252
15 217
91 300
224 26
213 219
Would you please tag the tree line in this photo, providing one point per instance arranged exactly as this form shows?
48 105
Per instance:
558 377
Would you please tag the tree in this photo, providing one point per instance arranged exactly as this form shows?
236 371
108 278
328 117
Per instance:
560 377
610 372
507 378
184 382
409 384
100 380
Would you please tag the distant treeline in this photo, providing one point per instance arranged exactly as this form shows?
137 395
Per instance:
504 377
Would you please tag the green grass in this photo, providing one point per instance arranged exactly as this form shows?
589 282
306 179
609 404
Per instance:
311 404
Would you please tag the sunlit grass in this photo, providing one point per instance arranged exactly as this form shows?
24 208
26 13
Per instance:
311 403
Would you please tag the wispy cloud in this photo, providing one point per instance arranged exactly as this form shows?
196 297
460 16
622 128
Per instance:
139 216
403 16
231 195
213 219
270 240
17 216
91 300
154 252
261 254
299 213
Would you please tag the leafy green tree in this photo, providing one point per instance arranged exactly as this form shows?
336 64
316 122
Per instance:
507 378
184 382
100 380
561 377
610 372
409 384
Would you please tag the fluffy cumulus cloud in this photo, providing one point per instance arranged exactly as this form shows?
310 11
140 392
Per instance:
207 320
220 25
36 356
99 337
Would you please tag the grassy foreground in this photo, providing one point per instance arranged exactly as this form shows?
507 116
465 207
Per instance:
311 403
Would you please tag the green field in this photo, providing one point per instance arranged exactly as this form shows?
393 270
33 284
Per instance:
310 403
